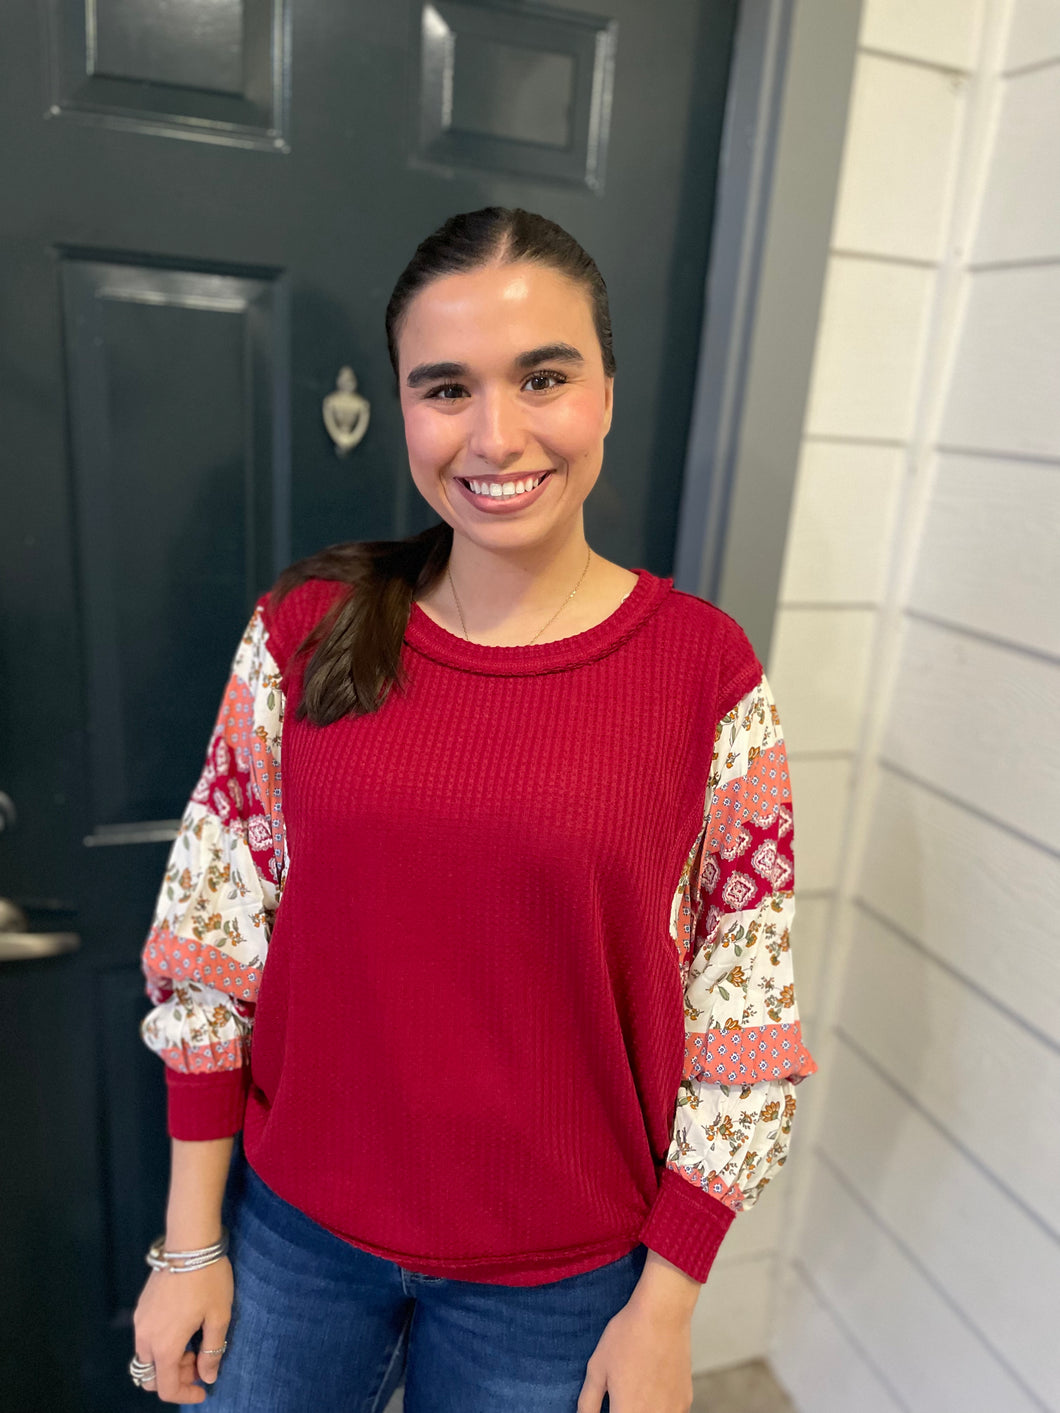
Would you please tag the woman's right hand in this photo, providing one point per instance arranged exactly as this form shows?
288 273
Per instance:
172 1306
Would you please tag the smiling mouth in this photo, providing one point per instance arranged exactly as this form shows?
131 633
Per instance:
504 490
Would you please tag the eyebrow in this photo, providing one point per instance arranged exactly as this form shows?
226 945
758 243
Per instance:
547 353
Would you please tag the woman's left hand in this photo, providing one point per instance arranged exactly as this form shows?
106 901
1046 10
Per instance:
643 1362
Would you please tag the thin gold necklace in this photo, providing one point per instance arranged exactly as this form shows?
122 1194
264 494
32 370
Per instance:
537 635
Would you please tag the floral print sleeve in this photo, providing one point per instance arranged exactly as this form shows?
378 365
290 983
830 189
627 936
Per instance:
209 935
731 921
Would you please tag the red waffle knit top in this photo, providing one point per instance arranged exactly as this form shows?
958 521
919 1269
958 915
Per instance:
497 980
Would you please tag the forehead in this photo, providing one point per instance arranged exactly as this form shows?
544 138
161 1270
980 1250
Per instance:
496 311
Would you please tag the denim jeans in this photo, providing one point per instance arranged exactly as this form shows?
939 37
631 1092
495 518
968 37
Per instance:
319 1326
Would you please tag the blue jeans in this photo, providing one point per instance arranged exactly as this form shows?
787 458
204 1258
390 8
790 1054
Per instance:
319 1326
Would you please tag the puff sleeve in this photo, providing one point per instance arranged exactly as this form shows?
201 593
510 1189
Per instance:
731 921
209 935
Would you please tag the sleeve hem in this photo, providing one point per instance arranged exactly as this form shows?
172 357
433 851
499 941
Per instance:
686 1225
204 1106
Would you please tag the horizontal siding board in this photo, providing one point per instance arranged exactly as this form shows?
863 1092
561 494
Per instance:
975 1069
819 670
754 1233
867 365
979 898
1034 33
729 1323
811 948
898 164
1002 396
979 1244
820 795
932 1359
1020 217
945 32
814 1359
842 520
979 722
989 555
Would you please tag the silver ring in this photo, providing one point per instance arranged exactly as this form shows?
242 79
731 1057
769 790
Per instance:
215 1351
141 1371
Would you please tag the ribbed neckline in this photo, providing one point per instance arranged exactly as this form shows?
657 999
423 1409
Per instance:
433 641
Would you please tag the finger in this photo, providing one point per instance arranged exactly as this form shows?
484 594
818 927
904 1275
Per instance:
214 1334
182 1388
173 1381
190 1390
148 1384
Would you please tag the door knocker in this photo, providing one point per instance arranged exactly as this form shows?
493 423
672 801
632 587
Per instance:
346 412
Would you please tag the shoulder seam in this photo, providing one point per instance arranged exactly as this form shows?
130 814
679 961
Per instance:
750 669
743 683
272 645
281 649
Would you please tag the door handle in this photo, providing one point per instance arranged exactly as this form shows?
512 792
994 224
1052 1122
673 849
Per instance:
17 943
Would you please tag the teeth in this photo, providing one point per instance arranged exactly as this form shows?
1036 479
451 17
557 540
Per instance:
509 488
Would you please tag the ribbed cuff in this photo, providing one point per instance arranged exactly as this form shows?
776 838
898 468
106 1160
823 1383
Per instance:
204 1106
686 1225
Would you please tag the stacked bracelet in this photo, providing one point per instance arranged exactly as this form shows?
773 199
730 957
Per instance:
161 1260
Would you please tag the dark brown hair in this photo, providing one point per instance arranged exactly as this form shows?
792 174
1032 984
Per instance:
356 648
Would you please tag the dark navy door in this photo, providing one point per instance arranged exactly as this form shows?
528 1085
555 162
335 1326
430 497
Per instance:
203 208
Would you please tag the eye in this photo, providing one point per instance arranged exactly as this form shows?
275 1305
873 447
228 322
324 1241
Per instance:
545 378
557 379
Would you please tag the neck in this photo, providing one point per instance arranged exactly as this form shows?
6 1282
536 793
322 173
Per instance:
498 588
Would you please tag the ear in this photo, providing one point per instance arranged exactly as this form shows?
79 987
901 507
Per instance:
609 398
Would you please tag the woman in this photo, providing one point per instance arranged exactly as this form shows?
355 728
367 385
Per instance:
526 1038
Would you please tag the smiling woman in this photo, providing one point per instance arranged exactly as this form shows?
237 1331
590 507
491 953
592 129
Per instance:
506 376
525 1037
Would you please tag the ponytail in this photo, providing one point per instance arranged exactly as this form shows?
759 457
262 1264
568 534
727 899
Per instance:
356 647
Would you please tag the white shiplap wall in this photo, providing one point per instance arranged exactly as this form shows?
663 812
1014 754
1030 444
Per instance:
916 665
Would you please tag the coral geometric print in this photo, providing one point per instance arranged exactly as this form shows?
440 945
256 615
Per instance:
209 934
731 922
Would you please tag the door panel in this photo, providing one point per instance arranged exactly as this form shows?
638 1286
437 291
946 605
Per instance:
205 208
210 70
173 402
515 90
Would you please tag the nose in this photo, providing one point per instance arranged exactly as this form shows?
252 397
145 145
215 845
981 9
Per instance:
498 430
